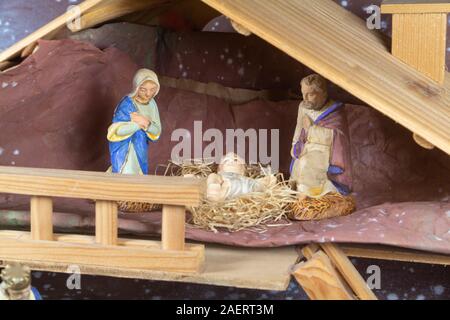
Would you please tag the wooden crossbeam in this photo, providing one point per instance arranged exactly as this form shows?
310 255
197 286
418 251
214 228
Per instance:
49 28
348 271
320 280
101 186
328 39
112 9
329 274
84 251
415 6
394 254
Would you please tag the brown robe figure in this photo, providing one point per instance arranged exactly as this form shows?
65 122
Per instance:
321 164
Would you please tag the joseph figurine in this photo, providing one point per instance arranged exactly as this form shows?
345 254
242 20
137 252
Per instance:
135 122
321 163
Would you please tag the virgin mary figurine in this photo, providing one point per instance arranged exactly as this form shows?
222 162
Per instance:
135 123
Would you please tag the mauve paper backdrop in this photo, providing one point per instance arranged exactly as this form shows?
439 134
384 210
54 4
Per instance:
34 14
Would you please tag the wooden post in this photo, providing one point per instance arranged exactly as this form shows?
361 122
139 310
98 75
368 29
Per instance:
348 271
419 31
320 280
106 222
173 227
41 212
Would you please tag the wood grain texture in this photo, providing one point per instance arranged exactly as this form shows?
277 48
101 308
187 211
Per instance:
320 280
415 6
348 272
226 266
101 186
309 250
106 216
46 30
420 40
173 227
338 45
21 248
41 213
394 254
112 9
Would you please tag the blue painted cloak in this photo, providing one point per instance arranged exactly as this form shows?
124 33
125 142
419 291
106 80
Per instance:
119 150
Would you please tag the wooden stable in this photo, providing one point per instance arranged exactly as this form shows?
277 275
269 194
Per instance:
409 84
105 249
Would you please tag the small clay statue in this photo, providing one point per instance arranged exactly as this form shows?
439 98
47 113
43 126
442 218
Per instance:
135 122
321 163
230 181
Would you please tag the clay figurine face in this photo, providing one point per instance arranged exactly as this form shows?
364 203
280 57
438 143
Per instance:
313 98
146 92
232 163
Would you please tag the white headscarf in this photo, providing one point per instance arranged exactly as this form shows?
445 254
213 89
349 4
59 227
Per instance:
144 75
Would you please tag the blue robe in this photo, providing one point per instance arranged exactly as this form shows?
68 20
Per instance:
119 150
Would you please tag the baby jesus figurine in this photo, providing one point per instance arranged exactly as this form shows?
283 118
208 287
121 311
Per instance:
135 123
230 181
321 163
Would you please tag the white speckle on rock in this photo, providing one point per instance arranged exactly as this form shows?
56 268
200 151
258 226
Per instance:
448 214
241 71
420 297
392 296
16 152
13 163
438 290
1 151
230 61
4 85
222 57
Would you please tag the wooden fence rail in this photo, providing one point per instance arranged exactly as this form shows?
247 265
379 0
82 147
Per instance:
105 249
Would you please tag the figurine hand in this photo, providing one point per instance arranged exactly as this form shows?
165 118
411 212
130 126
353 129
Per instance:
142 121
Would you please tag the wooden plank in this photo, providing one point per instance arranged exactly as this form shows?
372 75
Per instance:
173 227
101 186
86 239
333 42
49 28
415 6
226 266
394 254
106 222
4 65
420 40
112 9
320 280
348 271
41 213
94 255
309 250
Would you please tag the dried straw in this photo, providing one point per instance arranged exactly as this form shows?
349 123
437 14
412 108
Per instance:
255 211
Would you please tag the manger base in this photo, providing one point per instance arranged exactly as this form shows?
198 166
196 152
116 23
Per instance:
128 254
